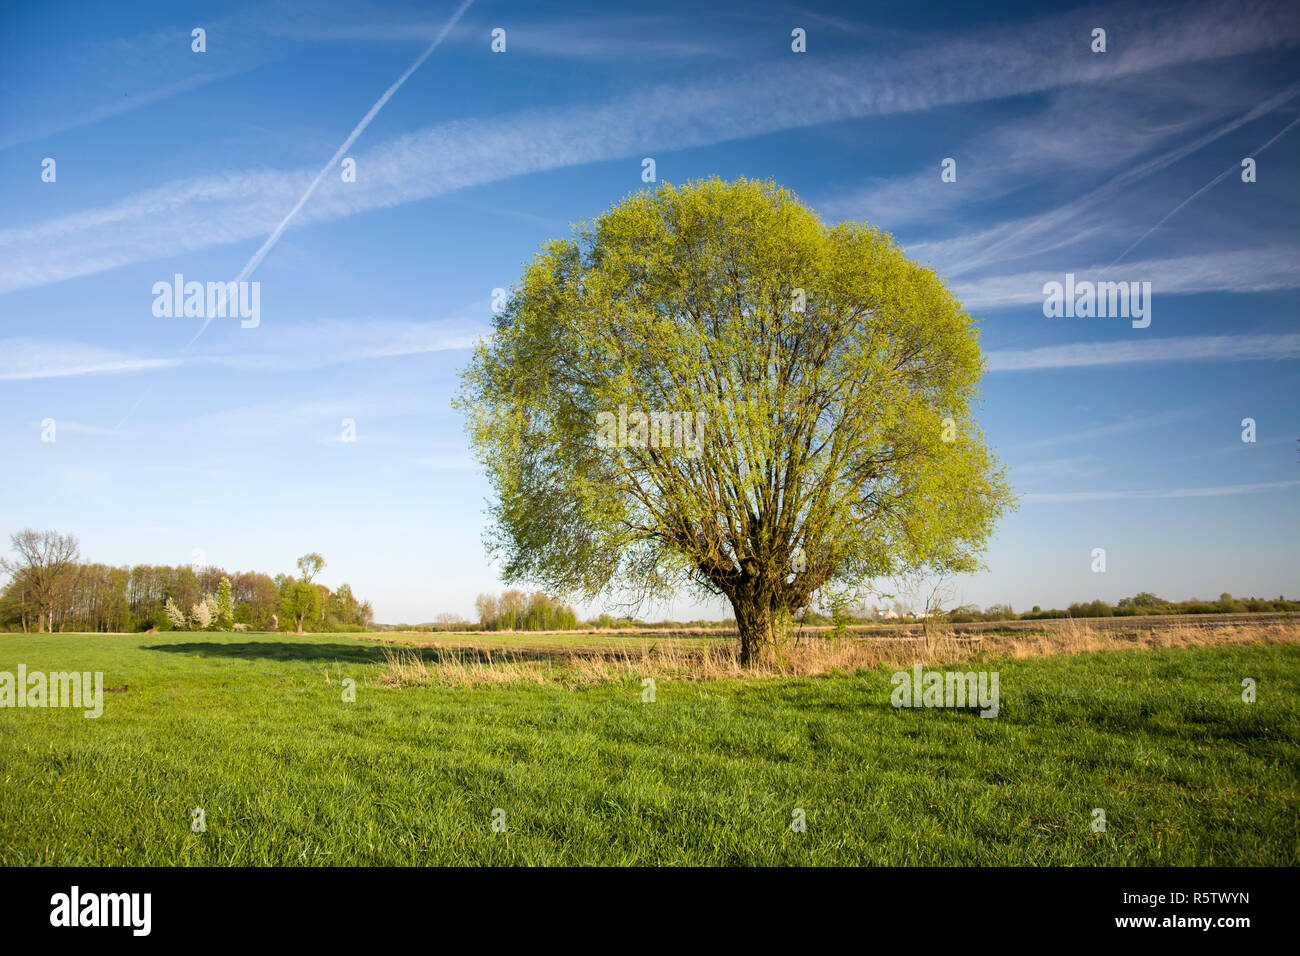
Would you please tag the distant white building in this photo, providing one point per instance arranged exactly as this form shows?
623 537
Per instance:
889 614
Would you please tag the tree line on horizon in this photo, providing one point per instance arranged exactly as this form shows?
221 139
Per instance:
516 611
50 589
1142 604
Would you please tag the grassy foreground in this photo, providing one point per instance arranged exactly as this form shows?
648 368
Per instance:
247 728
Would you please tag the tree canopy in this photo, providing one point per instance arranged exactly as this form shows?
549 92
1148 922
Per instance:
707 385
45 565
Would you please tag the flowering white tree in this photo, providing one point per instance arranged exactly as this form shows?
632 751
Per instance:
175 615
201 613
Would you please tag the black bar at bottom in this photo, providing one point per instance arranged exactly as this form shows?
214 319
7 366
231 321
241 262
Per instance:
946 906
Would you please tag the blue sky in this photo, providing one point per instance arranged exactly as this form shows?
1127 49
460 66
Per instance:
169 161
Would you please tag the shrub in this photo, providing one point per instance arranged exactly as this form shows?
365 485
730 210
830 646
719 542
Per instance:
175 616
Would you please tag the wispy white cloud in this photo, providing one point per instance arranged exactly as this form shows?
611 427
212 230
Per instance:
1080 496
612 35
1133 423
1126 351
1232 168
118 74
188 215
1076 220
36 358
271 348
1085 130
347 143
1245 270
327 342
307 417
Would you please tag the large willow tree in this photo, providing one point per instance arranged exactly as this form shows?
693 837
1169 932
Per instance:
830 378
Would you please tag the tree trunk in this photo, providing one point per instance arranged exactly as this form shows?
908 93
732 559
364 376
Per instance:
755 622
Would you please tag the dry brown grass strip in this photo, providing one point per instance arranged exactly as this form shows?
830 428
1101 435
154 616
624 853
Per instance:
716 659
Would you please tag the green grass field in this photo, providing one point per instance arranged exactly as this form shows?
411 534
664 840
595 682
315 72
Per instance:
246 728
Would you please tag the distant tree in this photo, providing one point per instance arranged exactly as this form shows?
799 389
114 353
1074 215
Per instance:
256 599
208 578
486 605
324 601
201 614
515 610
309 565
184 586
1142 599
300 603
511 609
1096 608
175 616
300 600
225 607
1229 604
342 610
45 563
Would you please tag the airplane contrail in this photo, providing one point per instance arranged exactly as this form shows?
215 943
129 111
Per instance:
275 235
1210 185
989 254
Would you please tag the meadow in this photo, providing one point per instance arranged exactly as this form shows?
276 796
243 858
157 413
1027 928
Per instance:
555 743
